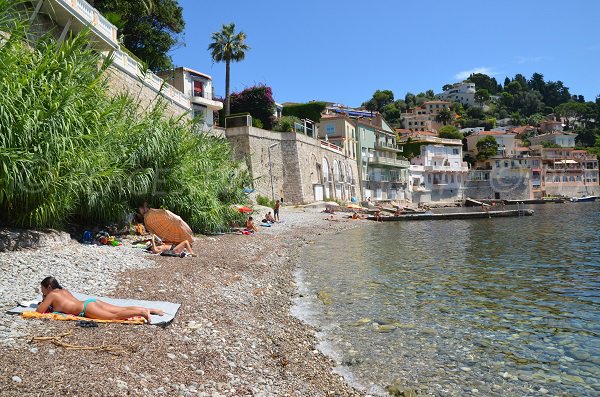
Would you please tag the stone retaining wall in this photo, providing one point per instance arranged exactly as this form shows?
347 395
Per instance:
295 163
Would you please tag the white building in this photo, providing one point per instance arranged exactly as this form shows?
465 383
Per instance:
198 88
438 173
505 141
460 92
562 139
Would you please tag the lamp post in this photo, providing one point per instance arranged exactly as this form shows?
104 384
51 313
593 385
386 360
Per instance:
271 169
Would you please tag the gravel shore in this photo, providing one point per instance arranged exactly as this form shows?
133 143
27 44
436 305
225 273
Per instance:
234 334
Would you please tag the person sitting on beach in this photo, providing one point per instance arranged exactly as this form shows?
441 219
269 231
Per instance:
250 226
57 299
355 215
158 247
378 217
269 218
399 211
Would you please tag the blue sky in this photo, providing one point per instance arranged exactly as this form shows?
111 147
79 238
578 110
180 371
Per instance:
342 51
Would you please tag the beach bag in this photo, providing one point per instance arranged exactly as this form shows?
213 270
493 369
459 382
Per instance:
87 237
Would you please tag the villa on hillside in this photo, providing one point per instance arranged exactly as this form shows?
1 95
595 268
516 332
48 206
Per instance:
505 142
198 88
463 93
423 118
562 139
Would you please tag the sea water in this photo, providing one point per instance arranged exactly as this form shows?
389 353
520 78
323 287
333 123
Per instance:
484 307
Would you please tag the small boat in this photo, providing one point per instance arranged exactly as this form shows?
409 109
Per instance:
469 202
583 199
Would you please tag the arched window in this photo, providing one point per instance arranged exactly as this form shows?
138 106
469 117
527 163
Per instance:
325 170
571 178
336 171
565 178
349 174
429 178
578 178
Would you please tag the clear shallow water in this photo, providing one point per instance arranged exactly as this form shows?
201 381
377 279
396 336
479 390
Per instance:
506 307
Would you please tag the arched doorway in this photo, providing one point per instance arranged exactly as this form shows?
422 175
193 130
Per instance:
326 177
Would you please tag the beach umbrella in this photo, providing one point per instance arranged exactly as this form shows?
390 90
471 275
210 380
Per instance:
168 226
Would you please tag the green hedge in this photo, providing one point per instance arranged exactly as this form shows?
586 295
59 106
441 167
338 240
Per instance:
310 110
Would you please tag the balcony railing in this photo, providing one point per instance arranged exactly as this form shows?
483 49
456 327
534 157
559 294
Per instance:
126 63
205 93
388 146
388 161
463 167
331 146
87 14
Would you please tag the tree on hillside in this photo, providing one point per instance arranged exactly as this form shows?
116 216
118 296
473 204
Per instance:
482 96
537 82
513 88
446 87
444 116
391 114
555 93
410 100
379 100
450 132
149 28
483 81
528 102
486 148
519 78
228 46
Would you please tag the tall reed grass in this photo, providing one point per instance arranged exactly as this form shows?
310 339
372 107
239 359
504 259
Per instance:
72 152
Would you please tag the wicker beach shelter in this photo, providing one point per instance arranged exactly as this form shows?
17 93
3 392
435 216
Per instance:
168 226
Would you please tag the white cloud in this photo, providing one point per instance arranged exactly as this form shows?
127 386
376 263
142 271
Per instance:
466 73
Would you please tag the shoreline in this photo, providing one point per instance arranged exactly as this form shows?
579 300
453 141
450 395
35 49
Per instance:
234 334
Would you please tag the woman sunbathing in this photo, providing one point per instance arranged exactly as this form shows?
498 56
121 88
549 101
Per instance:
60 300
158 247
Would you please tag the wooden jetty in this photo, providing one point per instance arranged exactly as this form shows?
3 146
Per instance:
455 215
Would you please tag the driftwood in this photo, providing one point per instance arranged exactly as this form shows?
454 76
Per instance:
57 341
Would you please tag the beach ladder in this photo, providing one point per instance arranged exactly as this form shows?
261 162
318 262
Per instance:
521 209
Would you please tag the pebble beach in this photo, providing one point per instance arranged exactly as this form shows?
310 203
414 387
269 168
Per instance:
233 335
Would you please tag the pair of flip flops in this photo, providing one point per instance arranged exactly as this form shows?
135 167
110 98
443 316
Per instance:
86 324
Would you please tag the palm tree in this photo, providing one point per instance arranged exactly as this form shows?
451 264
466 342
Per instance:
226 47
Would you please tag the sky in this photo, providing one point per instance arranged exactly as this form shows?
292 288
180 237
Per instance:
342 51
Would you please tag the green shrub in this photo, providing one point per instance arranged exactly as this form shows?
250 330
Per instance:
257 123
70 152
310 110
286 124
265 201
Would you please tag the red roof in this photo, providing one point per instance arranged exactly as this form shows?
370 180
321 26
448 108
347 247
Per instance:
492 133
